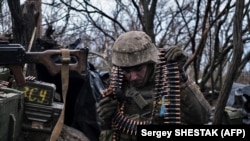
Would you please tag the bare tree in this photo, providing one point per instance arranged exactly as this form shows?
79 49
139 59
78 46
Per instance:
234 65
24 19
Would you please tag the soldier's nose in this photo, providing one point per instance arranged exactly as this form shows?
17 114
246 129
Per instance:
133 75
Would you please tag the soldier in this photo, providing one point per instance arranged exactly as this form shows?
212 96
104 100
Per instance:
137 83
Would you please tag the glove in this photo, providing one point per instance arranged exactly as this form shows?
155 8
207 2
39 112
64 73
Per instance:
175 53
106 109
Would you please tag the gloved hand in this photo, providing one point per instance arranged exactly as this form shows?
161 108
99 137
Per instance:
175 53
106 109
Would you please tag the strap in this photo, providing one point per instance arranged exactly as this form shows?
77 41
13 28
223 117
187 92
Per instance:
65 80
12 127
137 97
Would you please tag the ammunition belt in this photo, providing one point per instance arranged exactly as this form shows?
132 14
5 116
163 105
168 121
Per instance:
169 95
168 90
126 125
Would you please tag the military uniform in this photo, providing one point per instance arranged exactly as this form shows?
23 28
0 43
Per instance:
136 107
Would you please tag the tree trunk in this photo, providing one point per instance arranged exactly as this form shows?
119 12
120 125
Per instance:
237 53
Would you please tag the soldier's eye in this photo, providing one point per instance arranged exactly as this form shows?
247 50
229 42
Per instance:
135 69
139 68
127 70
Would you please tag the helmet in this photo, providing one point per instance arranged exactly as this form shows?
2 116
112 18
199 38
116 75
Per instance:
134 48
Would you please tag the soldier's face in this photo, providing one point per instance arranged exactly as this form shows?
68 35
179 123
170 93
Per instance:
135 75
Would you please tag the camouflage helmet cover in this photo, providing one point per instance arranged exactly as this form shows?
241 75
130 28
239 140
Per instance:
134 48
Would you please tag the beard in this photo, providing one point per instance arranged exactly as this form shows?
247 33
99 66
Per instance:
137 83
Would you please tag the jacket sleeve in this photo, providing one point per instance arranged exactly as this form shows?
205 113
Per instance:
195 109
